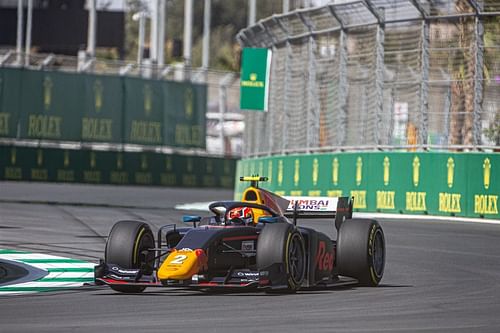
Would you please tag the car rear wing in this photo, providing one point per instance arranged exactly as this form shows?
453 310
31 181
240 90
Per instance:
339 208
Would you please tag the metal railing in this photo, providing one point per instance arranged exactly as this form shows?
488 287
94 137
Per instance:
380 74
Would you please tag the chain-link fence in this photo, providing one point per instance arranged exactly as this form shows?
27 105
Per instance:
380 74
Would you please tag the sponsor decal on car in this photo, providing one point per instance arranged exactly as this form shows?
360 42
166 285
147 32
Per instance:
247 246
324 259
312 204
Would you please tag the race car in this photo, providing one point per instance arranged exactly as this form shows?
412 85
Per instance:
256 243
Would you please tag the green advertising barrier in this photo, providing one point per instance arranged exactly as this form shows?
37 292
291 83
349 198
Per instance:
143 109
10 90
96 108
103 109
51 105
185 106
110 167
450 184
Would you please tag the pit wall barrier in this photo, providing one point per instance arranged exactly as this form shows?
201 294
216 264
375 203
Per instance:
451 184
111 167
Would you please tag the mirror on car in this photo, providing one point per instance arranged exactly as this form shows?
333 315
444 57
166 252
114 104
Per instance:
268 219
191 218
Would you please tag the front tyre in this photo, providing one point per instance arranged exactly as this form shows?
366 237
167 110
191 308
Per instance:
361 251
127 246
282 244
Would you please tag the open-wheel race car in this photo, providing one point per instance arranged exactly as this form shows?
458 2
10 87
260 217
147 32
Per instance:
255 243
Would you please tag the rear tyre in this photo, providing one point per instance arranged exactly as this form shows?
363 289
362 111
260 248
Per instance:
127 246
281 243
361 251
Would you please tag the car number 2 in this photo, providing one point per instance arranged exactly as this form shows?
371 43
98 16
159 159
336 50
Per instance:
179 259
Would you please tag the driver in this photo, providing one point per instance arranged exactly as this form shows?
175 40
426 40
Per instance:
241 215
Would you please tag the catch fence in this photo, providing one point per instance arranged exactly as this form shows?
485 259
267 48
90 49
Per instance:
379 74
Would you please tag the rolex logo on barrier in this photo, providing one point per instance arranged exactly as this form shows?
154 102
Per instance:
416 171
359 170
92 160
39 157
253 77
296 173
280 172
148 99
188 103
98 95
47 92
269 170
144 162
315 172
119 161
486 173
13 156
335 171
66 158
387 164
168 163
451 169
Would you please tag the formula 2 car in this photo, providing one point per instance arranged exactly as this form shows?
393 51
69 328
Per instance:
247 244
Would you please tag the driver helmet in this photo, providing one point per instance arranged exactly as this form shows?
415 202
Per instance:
241 215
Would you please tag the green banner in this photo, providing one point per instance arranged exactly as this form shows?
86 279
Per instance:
461 184
102 113
97 108
119 168
185 106
143 111
10 97
254 83
51 105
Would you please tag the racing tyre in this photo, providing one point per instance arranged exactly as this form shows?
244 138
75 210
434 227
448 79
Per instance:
281 243
127 246
361 251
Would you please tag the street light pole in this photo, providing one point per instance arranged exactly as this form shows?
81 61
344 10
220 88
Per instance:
28 33
19 42
206 36
161 33
188 37
252 9
91 33
153 38
141 17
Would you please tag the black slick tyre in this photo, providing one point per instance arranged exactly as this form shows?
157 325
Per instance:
127 246
281 243
361 251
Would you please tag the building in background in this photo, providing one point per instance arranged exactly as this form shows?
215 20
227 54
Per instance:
60 26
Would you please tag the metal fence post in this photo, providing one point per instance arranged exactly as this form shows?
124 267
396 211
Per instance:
379 78
424 85
478 80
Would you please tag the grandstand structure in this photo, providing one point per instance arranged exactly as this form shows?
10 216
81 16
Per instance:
379 75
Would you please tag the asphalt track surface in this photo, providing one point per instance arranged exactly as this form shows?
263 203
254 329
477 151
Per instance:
441 276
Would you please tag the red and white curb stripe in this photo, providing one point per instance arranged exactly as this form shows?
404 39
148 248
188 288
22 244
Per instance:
62 273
